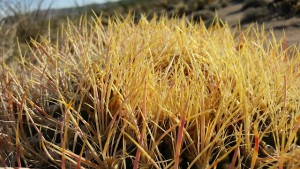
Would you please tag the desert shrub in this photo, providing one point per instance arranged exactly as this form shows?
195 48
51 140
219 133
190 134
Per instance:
21 20
164 93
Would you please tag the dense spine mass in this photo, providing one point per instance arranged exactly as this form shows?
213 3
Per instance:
164 93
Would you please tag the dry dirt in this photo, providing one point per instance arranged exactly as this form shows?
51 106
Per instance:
280 25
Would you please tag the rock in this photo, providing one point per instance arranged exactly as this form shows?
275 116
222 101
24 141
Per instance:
254 14
206 15
254 4
285 8
216 5
296 8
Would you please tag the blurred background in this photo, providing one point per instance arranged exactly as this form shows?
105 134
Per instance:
31 5
25 19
